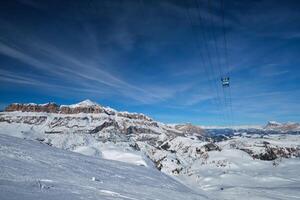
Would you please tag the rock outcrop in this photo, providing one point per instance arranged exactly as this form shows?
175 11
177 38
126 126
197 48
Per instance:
83 107
48 108
189 129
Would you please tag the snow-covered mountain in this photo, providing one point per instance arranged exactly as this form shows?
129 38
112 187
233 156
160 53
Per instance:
88 128
192 154
283 127
270 126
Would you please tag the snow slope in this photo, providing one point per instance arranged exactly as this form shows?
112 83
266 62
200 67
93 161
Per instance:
32 170
233 175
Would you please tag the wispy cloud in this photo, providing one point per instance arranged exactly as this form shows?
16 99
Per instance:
91 74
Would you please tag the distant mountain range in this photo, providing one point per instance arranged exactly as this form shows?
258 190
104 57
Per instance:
283 127
87 106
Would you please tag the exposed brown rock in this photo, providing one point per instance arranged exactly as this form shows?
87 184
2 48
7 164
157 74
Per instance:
54 108
87 109
49 108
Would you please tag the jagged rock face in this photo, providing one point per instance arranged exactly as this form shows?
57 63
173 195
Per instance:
48 108
265 150
133 116
104 125
55 108
31 120
76 110
272 153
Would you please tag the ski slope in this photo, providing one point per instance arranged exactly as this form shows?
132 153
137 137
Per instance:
32 170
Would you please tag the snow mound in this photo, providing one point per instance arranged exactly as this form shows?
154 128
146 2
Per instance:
128 157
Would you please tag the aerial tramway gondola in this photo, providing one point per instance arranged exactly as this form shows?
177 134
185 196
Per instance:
225 81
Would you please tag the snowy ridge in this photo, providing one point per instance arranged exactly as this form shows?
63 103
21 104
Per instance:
239 127
283 127
85 103
86 106
271 125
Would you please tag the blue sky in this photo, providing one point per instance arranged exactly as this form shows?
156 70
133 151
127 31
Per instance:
163 58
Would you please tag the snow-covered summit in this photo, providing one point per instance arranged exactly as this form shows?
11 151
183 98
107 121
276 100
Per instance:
273 123
85 103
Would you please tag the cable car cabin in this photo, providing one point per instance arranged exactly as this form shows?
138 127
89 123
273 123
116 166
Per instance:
225 81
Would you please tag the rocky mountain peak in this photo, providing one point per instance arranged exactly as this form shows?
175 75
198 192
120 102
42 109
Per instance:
86 106
273 123
283 127
189 129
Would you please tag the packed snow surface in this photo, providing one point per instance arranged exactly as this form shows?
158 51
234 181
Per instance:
32 170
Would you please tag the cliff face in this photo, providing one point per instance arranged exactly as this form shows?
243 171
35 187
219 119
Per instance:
49 107
82 107
87 109
55 108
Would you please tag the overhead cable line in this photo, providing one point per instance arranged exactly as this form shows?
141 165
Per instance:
198 46
226 54
221 74
205 36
